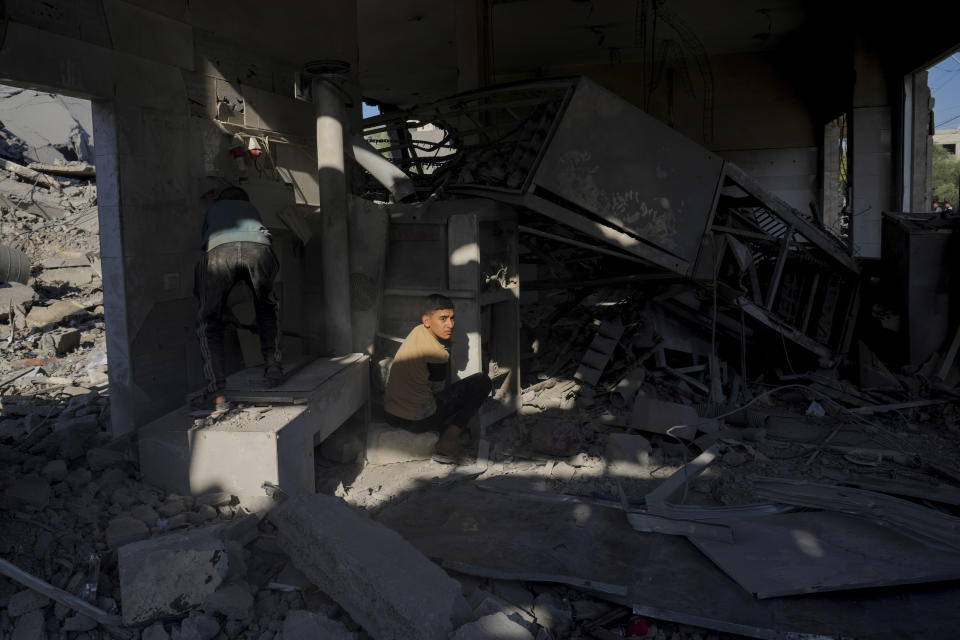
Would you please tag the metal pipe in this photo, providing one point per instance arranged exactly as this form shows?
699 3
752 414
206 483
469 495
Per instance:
385 172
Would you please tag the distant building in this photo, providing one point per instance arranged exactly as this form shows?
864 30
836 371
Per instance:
948 139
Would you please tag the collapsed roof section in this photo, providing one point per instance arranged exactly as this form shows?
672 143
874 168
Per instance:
574 152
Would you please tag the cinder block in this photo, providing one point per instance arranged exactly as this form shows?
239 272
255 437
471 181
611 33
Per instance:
387 445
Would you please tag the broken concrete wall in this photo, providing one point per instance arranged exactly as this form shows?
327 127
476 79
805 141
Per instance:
153 72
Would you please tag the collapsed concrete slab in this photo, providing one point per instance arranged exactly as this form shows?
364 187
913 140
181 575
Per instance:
171 574
386 585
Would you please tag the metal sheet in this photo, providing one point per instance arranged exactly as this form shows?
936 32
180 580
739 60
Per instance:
626 167
668 578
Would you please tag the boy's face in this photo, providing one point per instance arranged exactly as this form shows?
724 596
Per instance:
440 323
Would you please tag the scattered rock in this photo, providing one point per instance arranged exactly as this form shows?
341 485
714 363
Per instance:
124 530
55 471
60 342
155 632
79 622
26 601
234 601
31 490
29 627
496 626
627 454
734 458
563 472
556 438
197 627
307 625
554 614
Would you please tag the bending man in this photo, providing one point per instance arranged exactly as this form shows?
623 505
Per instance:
237 248
418 396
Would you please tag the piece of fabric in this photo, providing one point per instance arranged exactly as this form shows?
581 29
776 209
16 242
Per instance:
220 269
232 221
419 370
456 406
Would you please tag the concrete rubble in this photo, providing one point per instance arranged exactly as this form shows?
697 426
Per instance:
624 381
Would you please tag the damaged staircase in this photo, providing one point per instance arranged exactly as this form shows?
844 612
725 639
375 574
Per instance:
583 157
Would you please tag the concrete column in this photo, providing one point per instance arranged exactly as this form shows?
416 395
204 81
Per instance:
331 119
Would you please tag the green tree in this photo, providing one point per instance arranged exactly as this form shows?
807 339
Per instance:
946 176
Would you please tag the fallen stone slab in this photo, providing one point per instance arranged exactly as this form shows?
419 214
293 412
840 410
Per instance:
172 574
496 626
389 445
43 316
387 586
308 625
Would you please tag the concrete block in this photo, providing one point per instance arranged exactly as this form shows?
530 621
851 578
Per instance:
189 458
496 626
386 585
387 445
43 316
307 625
60 341
55 471
155 632
171 574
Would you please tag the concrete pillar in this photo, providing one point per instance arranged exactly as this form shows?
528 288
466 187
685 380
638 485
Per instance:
331 119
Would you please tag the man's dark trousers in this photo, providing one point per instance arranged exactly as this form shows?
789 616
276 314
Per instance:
220 269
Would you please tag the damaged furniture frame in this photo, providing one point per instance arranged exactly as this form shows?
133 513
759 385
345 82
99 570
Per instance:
574 153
